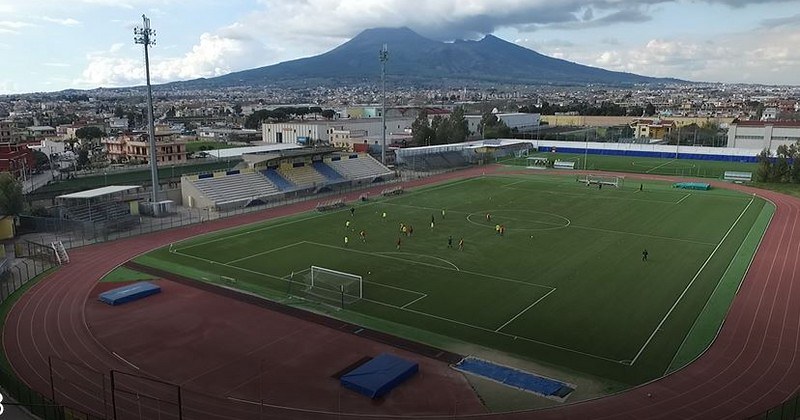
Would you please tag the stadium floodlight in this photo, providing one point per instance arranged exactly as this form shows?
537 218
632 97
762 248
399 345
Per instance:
146 37
383 56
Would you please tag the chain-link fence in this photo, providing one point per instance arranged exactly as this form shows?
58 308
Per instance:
788 410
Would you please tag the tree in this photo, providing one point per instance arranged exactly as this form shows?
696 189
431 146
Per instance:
41 159
89 134
328 114
82 160
421 130
764 169
11 198
458 126
650 109
119 112
237 109
493 128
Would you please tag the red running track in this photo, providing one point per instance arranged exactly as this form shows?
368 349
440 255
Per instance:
753 365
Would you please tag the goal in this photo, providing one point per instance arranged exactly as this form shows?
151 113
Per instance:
335 287
611 181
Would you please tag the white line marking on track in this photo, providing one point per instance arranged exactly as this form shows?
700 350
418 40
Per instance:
660 166
684 198
524 310
686 289
124 360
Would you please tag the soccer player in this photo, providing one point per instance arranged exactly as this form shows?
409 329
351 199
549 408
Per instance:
347 224
450 241
644 255
405 230
641 187
346 241
410 230
442 214
432 219
461 244
363 235
497 229
352 211
383 216
502 230
399 242
432 224
488 217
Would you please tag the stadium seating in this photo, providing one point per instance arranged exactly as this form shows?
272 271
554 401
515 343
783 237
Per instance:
303 176
328 172
277 179
235 187
360 167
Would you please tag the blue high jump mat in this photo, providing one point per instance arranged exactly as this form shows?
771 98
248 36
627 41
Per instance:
380 375
515 378
129 293
700 186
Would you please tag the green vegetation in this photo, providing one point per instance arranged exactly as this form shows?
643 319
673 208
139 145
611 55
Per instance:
122 274
709 321
644 165
565 286
12 201
785 168
453 129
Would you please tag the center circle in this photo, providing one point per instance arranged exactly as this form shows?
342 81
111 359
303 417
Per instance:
520 220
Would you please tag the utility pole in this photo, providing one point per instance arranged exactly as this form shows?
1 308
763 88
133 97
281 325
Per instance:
146 37
383 56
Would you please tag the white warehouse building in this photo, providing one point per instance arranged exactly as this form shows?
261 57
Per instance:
761 135
302 132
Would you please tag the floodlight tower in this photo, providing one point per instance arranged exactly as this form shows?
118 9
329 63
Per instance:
146 37
383 56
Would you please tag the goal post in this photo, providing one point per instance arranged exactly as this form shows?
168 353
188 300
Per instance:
333 286
594 179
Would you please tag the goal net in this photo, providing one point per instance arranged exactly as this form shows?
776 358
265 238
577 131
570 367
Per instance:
333 287
611 181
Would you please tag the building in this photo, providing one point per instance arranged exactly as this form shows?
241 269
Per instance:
170 148
8 132
654 128
519 121
228 134
16 159
769 114
306 131
761 135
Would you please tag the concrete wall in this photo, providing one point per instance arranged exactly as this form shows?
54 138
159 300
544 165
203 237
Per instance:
599 121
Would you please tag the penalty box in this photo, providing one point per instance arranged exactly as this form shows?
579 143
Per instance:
400 281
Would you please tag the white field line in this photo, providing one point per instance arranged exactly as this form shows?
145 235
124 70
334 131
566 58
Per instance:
405 306
686 289
264 252
572 225
588 196
420 255
290 222
714 292
660 166
496 332
436 266
236 267
524 310
413 301
684 198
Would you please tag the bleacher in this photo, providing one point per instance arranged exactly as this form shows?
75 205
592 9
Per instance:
235 187
360 167
328 172
99 212
437 160
303 176
277 179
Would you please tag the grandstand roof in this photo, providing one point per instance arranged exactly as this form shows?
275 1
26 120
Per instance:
99 192
239 151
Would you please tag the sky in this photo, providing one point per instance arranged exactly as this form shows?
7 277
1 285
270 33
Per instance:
50 45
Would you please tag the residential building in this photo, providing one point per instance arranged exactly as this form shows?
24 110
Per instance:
769 114
16 159
654 128
170 148
761 135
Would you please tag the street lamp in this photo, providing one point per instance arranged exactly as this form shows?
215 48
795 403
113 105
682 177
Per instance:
146 37
383 56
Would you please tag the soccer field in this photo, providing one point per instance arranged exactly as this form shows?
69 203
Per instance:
565 284
643 165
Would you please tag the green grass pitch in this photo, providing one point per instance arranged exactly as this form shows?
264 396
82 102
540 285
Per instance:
565 285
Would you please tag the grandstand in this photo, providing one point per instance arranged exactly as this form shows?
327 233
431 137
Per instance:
232 188
101 207
301 174
270 176
273 175
358 167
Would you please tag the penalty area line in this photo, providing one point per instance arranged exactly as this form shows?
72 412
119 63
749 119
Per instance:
688 286
524 310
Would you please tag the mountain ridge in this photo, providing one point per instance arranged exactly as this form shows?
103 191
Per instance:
415 59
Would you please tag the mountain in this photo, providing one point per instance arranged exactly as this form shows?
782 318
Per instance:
414 59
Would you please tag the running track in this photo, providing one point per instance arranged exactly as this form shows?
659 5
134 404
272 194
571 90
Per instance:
754 363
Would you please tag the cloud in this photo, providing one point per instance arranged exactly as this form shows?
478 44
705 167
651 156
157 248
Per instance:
64 21
213 55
